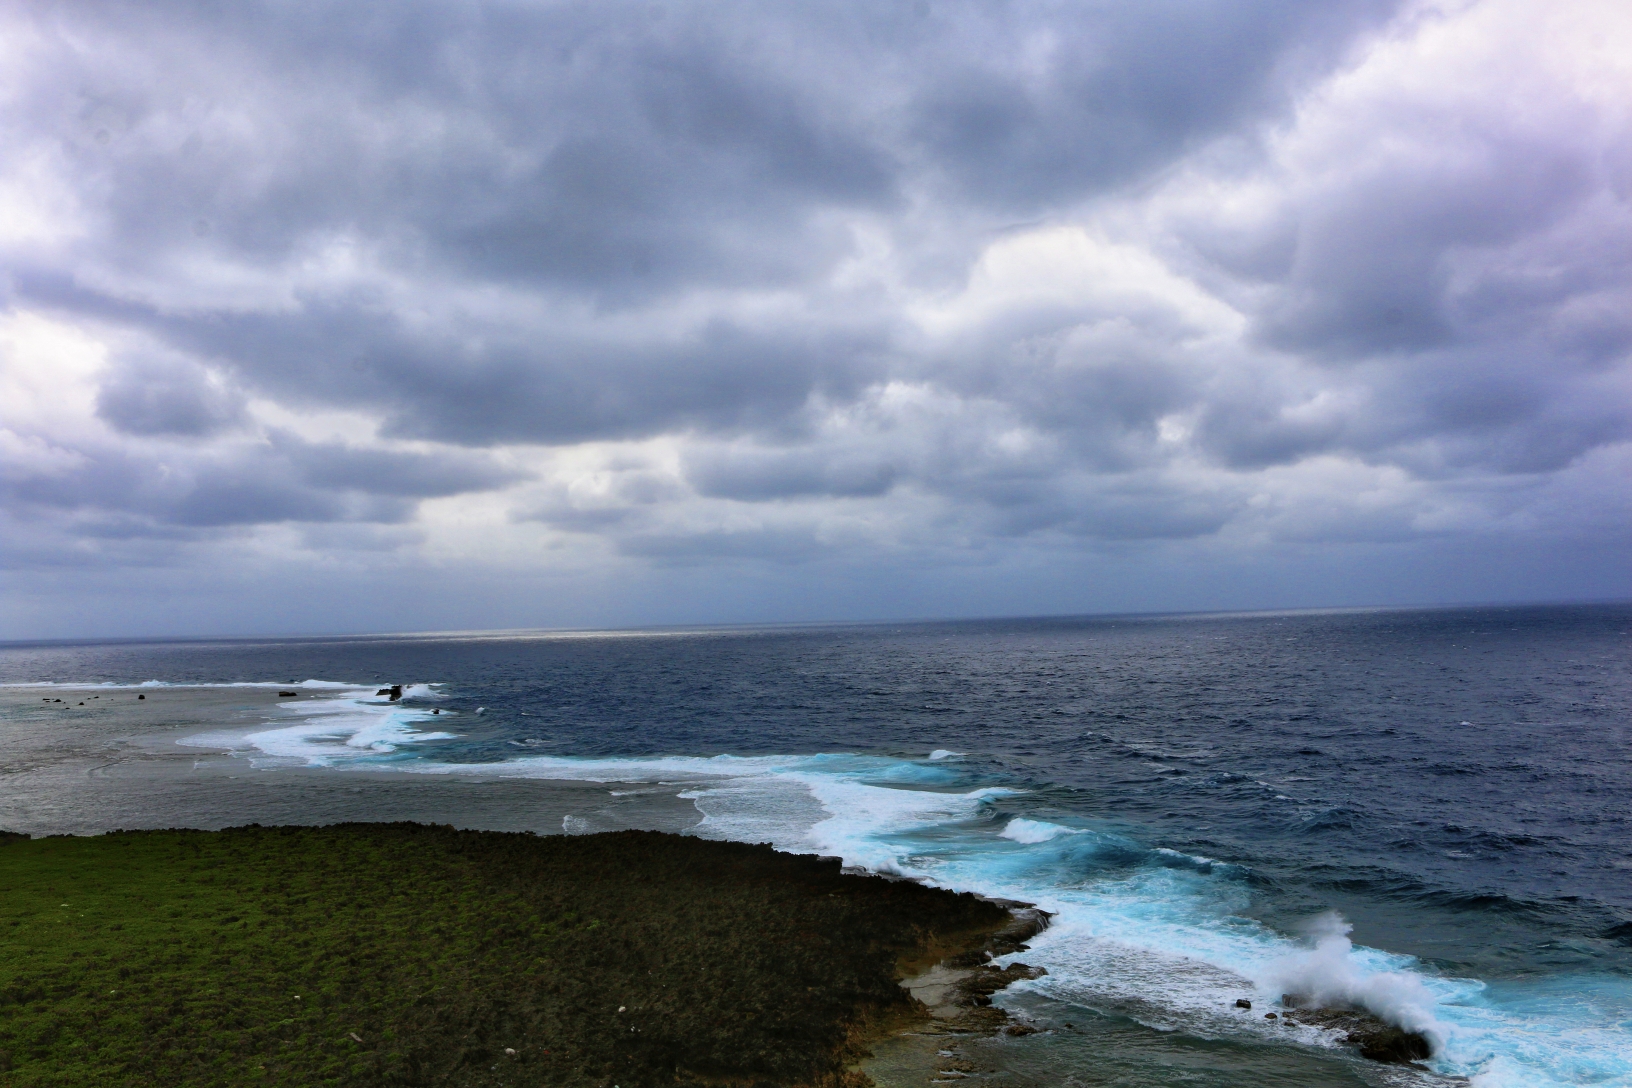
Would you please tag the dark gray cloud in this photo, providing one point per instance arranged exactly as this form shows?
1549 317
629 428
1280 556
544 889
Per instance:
474 381
403 474
781 545
717 377
1373 270
281 479
1045 103
167 396
255 497
757 475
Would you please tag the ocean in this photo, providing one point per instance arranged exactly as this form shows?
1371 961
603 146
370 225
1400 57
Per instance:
1424 812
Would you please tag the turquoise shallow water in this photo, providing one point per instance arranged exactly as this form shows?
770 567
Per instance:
1425 813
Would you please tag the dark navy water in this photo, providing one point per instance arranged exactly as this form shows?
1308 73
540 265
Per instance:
1456 783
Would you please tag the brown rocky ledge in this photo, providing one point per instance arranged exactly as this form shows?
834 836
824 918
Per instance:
956 991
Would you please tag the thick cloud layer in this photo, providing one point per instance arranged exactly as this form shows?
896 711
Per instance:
827 291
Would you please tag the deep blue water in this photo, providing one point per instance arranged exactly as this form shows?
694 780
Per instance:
1457 783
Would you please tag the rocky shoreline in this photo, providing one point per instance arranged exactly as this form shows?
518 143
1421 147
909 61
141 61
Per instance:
954 996
956 992
951 997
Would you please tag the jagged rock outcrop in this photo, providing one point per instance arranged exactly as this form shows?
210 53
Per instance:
1373 1036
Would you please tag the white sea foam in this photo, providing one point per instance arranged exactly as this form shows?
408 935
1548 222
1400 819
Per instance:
1332 974
865 822
1021 829
328 731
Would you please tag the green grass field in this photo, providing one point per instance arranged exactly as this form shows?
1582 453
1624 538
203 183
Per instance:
401 954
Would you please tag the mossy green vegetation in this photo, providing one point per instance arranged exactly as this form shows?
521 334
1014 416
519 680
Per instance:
404 954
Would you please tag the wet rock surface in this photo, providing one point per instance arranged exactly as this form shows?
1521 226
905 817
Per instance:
980 983
1374 1037
957 991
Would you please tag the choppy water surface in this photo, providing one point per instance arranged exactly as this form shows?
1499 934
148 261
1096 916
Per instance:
1207 802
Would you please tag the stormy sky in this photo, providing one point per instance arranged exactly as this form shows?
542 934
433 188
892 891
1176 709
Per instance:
331 317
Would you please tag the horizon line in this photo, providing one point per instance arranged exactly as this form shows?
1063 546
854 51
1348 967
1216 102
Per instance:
681 629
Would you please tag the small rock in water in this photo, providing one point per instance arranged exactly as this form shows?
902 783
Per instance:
141 696
1270 1016
1242 1003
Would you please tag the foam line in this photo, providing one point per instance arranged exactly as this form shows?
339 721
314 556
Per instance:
329 732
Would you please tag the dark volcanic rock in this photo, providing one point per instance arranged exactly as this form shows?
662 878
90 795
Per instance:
984 981
1372 1036
1028 922
1388 1043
